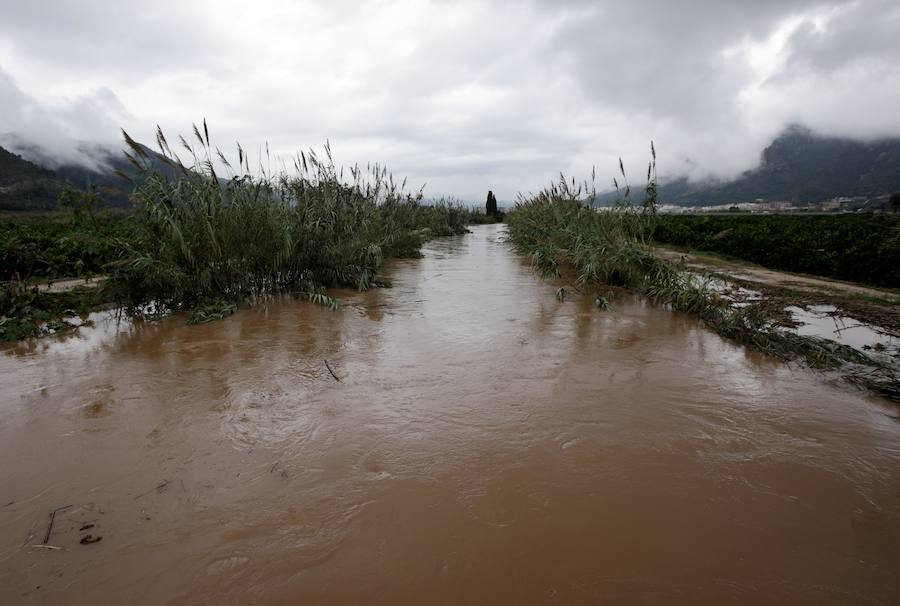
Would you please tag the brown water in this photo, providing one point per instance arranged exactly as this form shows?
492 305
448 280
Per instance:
486 445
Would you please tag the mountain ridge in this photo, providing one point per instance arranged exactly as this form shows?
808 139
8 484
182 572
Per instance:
801 167
26 186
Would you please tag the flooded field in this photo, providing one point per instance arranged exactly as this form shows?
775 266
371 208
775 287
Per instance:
479 442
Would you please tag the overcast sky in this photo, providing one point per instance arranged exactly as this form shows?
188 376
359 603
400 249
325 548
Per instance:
466 96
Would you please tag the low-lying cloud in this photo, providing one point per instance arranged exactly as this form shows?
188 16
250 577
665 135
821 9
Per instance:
58 131
466 96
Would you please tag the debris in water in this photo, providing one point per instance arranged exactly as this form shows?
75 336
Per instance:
159 488
52 519
328 366
89 538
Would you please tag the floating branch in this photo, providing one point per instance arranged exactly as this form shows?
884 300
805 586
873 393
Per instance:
328 366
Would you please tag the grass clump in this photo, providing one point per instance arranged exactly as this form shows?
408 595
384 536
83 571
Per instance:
26 312
560 225
207 242
212 238
42 247
211 311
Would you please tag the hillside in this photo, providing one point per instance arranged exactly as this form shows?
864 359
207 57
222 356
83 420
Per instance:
801 167
25 185
100 170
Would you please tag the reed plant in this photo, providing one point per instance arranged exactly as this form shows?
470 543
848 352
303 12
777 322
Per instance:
562 226
214 238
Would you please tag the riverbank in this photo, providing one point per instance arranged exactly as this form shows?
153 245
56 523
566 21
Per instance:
875 307
558 230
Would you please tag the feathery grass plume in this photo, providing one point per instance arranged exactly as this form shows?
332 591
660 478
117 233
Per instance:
210 240
557 226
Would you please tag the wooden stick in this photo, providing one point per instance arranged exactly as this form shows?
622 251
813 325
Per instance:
52 519
328 366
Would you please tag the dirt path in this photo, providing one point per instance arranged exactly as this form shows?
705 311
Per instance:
877 308
748 272
67 284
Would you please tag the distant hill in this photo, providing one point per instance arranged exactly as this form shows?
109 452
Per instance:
798 166
25 185
112 187
801 167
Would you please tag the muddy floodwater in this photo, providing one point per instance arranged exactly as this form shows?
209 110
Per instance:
486 444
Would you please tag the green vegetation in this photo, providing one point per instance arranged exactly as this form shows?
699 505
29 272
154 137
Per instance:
560 227
46 246
477 217
26 186
197 241
210 239
39 248
26 312
859 248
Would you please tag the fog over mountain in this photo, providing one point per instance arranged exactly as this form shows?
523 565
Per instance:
466 96
801 167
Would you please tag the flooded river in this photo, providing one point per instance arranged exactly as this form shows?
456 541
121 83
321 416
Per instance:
486 444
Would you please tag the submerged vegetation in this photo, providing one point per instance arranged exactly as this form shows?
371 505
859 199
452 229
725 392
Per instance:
560 227
27 312
39 249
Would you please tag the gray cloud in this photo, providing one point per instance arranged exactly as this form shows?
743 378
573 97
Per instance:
57 131
467 96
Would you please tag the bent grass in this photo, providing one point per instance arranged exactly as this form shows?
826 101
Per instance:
214 241
560 225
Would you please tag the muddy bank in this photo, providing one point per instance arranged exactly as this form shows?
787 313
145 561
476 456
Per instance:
864 319
485 444
874 306
69 284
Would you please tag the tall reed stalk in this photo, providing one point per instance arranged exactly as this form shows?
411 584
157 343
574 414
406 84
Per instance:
561 225
212 237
